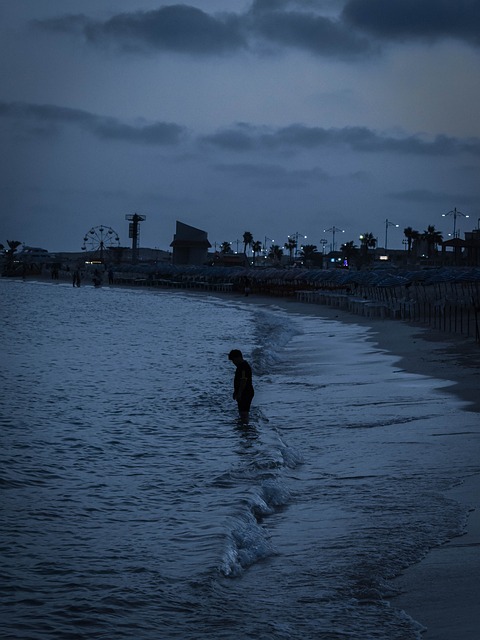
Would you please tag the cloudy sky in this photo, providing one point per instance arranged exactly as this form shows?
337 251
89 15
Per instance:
271 116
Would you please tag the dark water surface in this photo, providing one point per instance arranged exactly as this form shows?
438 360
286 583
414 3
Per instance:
134 505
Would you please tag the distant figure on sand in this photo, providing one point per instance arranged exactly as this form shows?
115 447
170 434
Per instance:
111 276
97 278
242 385
247 286
76 278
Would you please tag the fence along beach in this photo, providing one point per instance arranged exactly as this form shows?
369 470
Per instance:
443 298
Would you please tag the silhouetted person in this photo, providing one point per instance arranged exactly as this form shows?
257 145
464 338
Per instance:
97 278
242 384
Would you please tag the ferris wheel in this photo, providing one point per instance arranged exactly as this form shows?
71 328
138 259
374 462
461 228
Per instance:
98 239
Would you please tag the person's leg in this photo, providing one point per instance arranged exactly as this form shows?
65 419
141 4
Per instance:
244 407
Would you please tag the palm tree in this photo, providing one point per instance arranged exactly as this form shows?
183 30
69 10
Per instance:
275 254
368 241
308 251
225 247
13 244
247 241
432 237
9 253
349 250
291 245
410 235
256 248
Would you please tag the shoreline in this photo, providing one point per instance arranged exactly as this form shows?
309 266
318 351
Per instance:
441 591
420 349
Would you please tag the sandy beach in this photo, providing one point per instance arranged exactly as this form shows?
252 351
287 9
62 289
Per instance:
440 592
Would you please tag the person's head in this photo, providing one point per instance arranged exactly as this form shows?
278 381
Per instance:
235 355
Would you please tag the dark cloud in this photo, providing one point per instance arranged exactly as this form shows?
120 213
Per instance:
260 6
299 137
40 120
241 137
306 30
406 19
35 119
320 27
179 28
186 29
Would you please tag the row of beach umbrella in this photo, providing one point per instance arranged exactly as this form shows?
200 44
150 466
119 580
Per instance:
315 277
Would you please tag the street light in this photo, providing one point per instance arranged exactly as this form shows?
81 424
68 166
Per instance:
265 245
333 230
237 241
295 235
388 224
323 242
454 213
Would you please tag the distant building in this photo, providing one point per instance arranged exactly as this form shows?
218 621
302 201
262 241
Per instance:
229 260
190 245
115 256
33 255
472 247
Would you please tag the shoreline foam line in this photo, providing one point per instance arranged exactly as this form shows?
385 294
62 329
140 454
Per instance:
441 591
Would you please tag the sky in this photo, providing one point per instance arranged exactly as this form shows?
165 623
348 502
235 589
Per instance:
315 118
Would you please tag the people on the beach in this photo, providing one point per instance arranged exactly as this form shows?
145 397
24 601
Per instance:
97 278
111 276
243 391
76 278
247 286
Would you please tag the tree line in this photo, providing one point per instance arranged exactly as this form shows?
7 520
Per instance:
349 250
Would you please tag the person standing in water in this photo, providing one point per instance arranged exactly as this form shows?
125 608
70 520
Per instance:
242 384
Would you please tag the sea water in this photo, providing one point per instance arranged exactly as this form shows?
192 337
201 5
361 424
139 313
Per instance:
135 505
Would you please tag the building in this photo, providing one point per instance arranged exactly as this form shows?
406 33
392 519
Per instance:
472 247
190 245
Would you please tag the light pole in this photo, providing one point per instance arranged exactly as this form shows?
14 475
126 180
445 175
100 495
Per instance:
388 224
265 242
295 235
454 213
237 241
265 252
333 230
